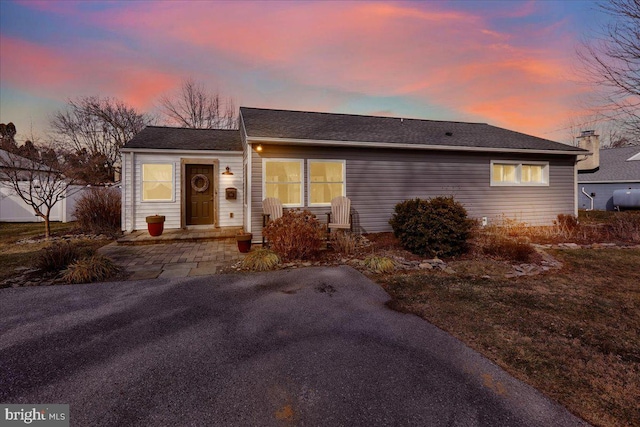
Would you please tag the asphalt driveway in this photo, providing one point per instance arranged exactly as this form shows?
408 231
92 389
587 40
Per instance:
315 346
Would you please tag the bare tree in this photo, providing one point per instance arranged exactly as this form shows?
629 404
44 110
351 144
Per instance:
38 178
99 127
612 134
194 107
612 61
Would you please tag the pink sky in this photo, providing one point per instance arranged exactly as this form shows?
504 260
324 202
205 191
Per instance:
510 64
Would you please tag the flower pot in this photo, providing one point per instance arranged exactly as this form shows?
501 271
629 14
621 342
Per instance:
244 242
155 224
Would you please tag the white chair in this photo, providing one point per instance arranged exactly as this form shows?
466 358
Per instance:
271 210
340 216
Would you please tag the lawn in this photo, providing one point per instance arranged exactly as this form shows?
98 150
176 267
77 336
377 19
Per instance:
14 255
573 334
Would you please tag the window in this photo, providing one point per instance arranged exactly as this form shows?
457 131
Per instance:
157 182
504 173
514 173
282 179
326 181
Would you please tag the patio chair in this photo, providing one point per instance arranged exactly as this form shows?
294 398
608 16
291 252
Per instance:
271 210
340 216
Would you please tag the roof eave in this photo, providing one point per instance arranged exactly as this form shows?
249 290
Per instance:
359 144
178 150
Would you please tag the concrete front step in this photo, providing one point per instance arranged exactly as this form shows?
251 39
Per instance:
142 237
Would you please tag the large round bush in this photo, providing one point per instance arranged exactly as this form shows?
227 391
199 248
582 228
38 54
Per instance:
434 227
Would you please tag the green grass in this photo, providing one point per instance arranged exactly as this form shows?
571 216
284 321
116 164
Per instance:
14 255
574 334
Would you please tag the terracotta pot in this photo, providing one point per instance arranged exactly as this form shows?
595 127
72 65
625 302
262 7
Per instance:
244 242
155 224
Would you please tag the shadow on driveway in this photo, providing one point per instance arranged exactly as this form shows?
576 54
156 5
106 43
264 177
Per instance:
313 346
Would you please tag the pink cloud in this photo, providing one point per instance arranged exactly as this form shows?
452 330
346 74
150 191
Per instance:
65 73
426 52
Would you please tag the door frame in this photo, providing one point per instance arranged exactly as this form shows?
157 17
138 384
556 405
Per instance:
184 185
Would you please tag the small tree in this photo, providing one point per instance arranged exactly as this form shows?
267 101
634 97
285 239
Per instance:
38 179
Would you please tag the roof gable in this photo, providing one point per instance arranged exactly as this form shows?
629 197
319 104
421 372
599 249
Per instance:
170 138
313 126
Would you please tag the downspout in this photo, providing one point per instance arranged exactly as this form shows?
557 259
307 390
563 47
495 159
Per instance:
590 198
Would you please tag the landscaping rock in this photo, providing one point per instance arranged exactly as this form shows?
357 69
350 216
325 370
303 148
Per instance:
425 266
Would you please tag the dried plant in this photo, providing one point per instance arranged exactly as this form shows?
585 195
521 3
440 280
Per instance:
296 235
261 260
99 211
57 256
93 269
512 249
343 242
379 264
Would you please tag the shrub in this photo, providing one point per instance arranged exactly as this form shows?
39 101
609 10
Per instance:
517 250
93 269
566 225
434 227
260 260
379 264
57 256
98 211
343 242
626 226
295 235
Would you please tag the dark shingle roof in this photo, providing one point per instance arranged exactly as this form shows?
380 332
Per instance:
615 166
168 138
300 125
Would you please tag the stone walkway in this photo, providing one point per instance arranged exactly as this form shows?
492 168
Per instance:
173 259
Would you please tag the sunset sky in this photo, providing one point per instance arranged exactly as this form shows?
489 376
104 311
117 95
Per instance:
508 63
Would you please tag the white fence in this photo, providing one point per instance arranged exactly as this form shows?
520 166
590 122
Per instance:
14 209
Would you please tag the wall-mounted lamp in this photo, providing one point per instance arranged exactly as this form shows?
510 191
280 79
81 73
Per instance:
259 148
227 171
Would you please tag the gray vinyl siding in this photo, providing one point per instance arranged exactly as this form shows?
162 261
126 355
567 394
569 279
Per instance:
603 200
377 179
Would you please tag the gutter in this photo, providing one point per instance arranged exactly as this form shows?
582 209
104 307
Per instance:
359 144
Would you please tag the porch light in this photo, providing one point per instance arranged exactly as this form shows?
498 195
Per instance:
227 171
259 148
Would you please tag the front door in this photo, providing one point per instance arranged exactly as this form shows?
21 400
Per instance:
200 191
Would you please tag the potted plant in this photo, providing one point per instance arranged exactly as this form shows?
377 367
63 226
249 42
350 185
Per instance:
244 241
155 224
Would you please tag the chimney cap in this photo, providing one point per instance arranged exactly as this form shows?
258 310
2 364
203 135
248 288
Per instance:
587 133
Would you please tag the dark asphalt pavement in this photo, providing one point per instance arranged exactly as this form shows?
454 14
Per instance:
312 347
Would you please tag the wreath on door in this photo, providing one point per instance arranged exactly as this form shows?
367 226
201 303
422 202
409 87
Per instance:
205 183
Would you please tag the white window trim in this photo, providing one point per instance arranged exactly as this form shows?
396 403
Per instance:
344 179
173 182
264 182
518 182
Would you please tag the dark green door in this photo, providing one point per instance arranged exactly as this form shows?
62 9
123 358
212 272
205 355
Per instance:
200 194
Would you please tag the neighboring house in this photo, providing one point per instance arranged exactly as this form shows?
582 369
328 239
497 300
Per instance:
14 209
305 159
618 169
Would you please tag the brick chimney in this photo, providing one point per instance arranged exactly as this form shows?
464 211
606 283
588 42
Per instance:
588 140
